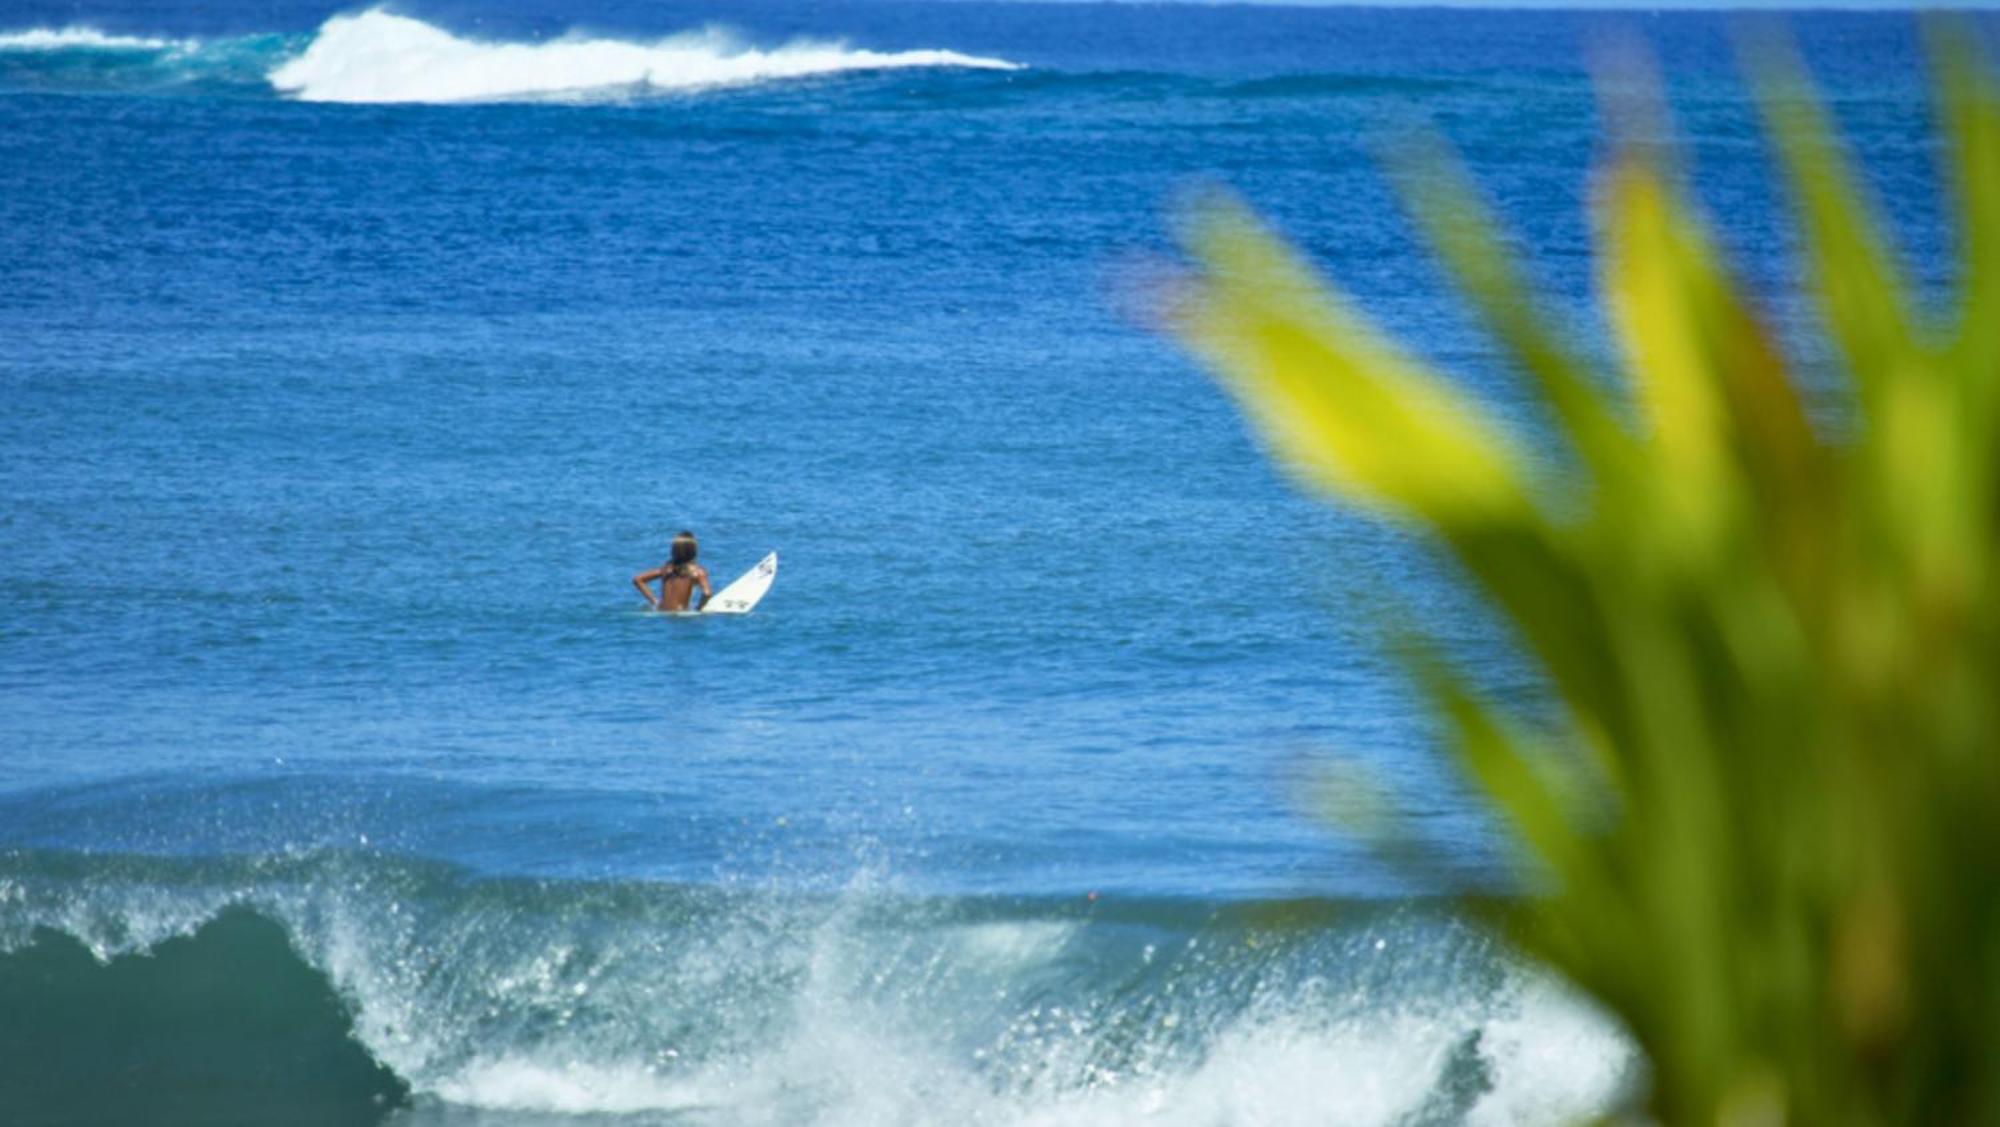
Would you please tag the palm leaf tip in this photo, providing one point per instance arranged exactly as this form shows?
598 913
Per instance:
1339 405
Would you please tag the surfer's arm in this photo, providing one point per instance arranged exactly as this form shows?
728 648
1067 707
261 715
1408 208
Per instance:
701 577
645 592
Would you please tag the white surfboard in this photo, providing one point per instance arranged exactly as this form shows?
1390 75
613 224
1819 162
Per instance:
749 588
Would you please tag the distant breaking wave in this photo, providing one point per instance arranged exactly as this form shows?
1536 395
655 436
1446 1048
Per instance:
379 57
84 38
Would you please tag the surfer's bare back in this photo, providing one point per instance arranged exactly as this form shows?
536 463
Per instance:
678 577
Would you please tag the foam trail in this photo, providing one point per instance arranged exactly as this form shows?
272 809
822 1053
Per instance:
380 57
81 38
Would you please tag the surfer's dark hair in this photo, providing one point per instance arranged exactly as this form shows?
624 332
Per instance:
684 551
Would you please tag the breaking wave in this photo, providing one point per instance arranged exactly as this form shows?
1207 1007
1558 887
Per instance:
537 999
381 57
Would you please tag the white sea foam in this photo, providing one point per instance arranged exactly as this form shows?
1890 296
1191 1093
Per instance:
849 1054
86 39
567 1087
1558 1059
381 57
844 1067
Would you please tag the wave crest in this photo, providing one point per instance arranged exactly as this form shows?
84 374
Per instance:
381 57
539 998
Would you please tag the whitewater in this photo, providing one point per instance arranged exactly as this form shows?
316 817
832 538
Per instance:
860 1006
377 56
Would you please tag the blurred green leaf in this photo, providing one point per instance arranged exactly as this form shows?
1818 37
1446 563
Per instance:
1764 825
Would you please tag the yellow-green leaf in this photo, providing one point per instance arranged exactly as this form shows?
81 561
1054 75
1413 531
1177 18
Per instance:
1341 406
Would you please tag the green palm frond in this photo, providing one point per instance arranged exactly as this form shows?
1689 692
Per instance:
1768 821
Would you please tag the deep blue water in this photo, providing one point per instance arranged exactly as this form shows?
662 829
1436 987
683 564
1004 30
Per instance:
350 371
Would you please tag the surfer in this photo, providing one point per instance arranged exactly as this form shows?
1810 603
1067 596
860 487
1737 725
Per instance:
678 577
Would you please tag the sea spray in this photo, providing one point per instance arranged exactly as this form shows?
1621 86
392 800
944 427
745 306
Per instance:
868 1005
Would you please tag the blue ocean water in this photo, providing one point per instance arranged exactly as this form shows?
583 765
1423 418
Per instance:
355 359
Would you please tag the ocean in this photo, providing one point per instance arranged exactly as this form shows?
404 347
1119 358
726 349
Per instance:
354 359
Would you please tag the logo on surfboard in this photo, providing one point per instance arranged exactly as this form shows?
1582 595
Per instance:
747 591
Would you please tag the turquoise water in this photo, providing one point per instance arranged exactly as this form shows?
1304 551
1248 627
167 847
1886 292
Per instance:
354 363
